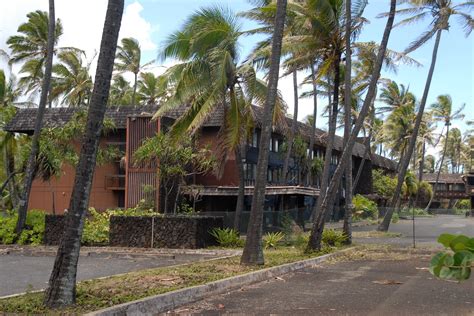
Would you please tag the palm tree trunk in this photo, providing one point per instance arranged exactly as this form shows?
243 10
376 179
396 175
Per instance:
62 283
406 160
439 169
318 224
347 226
9 162
135 83
327 157
253 251
332 124
367 156
29 173
420 170
315 115
294 125
241 193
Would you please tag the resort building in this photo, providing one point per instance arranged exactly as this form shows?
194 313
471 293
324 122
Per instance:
121 183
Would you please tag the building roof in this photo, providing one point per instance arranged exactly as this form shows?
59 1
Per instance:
24 120
443 177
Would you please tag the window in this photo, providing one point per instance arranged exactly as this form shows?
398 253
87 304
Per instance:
254 142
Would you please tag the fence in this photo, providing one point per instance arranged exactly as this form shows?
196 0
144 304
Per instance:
274 220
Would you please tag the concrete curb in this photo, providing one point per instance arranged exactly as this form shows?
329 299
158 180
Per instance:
171 300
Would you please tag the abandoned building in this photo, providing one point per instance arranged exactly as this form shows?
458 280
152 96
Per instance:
118 185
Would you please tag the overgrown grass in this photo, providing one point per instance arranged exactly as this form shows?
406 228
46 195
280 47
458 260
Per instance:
101 293
375 234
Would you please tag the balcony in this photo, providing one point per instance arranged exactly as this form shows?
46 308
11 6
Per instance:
115 182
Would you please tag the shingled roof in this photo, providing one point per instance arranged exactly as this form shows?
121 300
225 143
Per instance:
24 120
443 177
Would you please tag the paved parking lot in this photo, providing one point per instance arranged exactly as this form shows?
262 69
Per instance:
20 272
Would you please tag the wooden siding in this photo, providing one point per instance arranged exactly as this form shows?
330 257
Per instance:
138 175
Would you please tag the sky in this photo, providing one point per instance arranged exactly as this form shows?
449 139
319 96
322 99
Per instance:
151 21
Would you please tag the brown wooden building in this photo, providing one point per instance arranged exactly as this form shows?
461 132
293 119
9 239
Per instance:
121 184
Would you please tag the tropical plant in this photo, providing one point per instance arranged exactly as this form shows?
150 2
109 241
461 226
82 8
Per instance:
440 12
364 208
72 80
442 111
208 77
62 284
128 59
151 89
177 161
271 240
319 220
120 92
227 237
457 263
35 141
253 252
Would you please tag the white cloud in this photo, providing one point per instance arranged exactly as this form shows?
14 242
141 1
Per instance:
134 25
82 23
305 105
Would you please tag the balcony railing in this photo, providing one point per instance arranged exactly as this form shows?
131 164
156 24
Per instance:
115 182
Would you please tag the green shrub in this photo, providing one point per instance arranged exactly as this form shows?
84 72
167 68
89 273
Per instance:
364 208
395 218
32 234
463 204
383 185
271 240
96 227
227 237
333 238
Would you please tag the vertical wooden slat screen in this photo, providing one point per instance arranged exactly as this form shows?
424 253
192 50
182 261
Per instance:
138 175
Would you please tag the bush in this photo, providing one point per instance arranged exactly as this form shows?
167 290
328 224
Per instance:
32 234
395 218
333 238
364 208
96 227
463 204
227 237
271 240
383 185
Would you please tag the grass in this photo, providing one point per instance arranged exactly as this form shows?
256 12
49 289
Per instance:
379 252
375 234
101 293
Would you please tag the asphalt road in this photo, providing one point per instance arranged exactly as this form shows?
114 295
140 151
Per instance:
427 229
22 272
349 288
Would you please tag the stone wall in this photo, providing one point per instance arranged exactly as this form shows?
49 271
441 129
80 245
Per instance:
53 230
163 232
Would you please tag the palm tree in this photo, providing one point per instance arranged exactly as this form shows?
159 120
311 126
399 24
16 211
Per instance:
62 283
208 77
151 88
253 250
128 57
72 79
30 167
442 111
120 92
328 200
439 11
347 226
30 48
454 149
